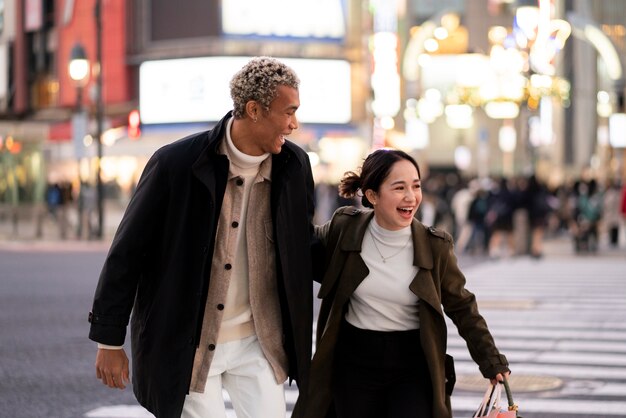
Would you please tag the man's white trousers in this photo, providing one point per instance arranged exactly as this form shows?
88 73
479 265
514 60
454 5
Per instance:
241 368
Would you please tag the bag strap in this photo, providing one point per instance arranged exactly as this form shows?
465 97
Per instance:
494 402
482 408
509 396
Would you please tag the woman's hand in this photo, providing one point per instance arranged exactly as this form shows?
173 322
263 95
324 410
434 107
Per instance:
500 378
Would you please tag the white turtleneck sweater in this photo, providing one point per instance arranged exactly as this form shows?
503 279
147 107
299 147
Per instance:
237 321
383 301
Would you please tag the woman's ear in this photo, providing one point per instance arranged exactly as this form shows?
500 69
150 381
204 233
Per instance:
371 196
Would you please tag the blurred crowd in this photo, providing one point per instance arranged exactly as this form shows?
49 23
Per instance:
500 217
503 217
494 217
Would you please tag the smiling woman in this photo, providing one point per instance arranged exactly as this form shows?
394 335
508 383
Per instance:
386 281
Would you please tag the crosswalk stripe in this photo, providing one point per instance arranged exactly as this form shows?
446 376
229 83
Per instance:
557 318
551 357
569 371
552 406
507 344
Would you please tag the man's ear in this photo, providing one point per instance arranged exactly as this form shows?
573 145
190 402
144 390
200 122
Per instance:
252 110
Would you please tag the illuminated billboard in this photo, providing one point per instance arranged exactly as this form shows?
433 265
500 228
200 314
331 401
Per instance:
197 89
320 19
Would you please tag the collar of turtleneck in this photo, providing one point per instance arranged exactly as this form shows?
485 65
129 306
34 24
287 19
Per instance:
243 161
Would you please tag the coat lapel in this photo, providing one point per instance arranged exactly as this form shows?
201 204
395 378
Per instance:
423 285
354 270
210 167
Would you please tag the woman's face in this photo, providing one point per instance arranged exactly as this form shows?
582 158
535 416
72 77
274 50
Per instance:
398 197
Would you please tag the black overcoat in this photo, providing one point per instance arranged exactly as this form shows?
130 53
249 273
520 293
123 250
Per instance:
159 264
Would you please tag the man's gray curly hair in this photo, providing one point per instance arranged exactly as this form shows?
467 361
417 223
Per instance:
258 80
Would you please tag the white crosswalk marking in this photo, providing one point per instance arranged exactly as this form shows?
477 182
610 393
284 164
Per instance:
559 318
571 327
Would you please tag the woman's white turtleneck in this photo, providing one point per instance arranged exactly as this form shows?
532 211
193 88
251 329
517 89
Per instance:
383 300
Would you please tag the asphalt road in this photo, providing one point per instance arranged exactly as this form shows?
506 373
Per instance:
555 329
46 359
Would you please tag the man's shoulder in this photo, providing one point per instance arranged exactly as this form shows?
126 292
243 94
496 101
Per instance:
295 150
192 144
186 143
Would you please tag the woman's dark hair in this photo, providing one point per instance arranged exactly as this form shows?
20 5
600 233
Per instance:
373 173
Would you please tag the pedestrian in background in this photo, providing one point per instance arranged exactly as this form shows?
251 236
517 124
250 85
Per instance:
389 279
535 199
477 216
611 217
460 204
213 258
502 205
589 208
623 204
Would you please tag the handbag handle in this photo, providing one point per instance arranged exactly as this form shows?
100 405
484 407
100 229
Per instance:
509 395
482 408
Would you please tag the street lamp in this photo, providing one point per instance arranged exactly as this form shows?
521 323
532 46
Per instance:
78 69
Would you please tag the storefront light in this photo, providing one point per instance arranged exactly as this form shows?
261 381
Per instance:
617 130
440 33
459 116
502 110
603 106
540 81
417 134
462 157
507 138
527 19
387 123
429 110
431 45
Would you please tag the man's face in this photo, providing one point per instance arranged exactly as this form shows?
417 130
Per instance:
274 126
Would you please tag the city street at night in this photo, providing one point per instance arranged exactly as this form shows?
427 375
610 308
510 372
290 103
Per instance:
199 141
559 320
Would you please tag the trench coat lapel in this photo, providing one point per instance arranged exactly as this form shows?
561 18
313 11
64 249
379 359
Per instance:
351 244
423 285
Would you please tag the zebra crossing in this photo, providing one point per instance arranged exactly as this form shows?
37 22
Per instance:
558 320
561 322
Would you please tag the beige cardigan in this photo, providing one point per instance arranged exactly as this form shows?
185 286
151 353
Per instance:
264 302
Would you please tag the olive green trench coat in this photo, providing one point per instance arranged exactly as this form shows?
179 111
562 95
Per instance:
440 287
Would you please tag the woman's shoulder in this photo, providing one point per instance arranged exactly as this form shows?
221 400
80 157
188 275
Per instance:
350 214
350 211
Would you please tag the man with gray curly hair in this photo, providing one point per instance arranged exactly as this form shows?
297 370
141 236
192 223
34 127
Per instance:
213 258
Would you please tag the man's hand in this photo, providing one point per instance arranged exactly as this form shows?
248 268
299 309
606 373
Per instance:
112 367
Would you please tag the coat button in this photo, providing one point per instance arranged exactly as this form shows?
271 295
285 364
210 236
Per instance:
239 182
228 266
211 347
220 307
235 224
